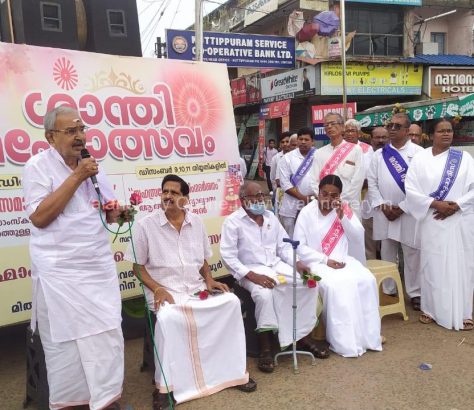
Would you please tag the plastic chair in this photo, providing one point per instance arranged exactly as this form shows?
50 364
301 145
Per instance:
384 270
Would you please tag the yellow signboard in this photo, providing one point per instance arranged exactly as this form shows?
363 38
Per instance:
372 78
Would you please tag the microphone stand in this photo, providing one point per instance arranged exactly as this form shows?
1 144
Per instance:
294 352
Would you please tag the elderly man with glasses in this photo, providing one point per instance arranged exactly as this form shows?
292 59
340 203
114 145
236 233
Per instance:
393 225
252 248
76 297
340 158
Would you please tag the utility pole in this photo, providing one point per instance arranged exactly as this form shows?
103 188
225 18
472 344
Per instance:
198 29
342 6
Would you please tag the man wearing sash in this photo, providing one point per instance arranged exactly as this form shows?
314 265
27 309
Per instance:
440 194
252 248
340 158
351 134
331 244
295 179
392 224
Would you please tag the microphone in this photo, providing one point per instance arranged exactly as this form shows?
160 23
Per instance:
85 154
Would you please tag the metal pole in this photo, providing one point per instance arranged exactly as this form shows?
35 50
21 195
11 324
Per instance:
198 29
342 6
10 21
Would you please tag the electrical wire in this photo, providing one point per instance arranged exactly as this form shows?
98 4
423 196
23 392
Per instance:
139 277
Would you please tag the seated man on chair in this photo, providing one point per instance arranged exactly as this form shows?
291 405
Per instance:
252 248
170 255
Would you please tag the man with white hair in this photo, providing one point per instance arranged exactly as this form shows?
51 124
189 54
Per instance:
76 297
351 134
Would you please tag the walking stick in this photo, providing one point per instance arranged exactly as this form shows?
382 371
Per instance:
294 352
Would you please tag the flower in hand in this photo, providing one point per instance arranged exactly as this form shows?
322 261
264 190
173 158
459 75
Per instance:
128 214
310 280
202 294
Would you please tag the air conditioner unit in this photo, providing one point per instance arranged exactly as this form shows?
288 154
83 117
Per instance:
427 48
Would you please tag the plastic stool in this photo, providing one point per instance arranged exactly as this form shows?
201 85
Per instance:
384 270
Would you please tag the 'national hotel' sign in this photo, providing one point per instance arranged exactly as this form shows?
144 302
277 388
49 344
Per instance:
451 81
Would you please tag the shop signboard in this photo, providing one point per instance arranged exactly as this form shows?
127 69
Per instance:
450 81
232 49
372 78
288 85
390 2
463 106
146 118
259 9
320 111
238 89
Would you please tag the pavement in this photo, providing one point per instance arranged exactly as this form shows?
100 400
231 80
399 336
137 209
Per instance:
390 379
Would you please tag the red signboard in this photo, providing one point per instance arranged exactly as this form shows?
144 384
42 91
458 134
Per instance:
238 88
276 109
319 111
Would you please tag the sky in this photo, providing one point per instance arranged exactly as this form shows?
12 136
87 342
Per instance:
177 14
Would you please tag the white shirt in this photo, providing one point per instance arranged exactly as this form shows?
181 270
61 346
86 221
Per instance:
71 257
274 174
368 153
171 258
288 166
350 170
384 190
244 243
269 154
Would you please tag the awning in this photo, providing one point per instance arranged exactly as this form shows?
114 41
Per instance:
420 110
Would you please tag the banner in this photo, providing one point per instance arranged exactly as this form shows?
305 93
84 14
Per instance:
463 106
234 50
275 110
238 90
147 118
288 85
372 79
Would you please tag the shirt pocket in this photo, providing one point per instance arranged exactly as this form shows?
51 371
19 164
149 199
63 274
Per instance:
347 171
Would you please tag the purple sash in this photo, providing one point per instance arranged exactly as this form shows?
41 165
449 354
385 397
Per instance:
396 165
451 169
304 167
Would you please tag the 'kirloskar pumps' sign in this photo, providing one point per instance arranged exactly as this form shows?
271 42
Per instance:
450 81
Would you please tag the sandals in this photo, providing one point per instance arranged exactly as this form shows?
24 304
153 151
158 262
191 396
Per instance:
416 303
426 319
309 345
468 324
161 401
265 362
248 387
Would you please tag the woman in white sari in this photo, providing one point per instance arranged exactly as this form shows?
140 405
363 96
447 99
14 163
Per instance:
329 233
440 194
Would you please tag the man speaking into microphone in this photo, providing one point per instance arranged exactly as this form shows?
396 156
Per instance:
76 297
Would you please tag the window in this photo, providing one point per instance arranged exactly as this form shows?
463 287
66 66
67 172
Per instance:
439 38
379 30
51 16
116 22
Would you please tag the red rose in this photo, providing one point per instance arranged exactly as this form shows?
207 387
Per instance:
203 294
311 283
136 198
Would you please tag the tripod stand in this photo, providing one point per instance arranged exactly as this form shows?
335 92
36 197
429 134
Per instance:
294 352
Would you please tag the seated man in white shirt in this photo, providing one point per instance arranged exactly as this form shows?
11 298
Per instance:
252 248
170 255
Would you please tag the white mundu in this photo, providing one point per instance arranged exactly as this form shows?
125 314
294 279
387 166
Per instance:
201 343
350 170
446 245
383 189
76 297
350 295
245 247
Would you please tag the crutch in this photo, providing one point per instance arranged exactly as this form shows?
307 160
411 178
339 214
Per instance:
294 352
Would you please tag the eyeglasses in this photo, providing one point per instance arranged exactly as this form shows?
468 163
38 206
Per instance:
445 131
351 130
332 124
73 130
395 126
